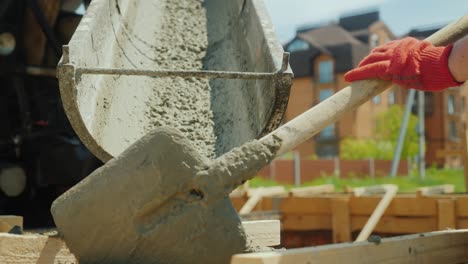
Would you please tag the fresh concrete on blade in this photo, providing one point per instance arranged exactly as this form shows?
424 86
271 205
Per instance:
160 201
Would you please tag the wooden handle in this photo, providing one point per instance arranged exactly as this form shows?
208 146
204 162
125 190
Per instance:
327 112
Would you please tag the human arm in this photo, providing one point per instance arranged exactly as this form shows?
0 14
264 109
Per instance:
458 60
413 63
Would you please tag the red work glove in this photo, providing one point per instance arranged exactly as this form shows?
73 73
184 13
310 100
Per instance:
410 63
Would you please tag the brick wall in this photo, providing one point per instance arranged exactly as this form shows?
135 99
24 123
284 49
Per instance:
283 170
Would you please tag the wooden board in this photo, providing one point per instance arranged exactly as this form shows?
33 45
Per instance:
7 222
263 233
397 225
429 248
257 194
34 249
446 217
299 205
400 206
312 190
341 220
298 222
434 190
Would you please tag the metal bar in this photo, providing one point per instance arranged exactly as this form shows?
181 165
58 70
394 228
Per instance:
372 168
336 165
297 169
180 73
422 139
189 73
402 134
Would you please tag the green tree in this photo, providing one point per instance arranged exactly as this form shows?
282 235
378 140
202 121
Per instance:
383 146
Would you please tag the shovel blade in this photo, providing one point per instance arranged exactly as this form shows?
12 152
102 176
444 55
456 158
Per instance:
140 207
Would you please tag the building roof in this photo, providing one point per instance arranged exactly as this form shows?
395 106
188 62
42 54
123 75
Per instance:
346 41
359 21
422 33
329 35
301 62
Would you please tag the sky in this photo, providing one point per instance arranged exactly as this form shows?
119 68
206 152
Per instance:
400 15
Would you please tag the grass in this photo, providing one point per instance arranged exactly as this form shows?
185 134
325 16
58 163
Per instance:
405 183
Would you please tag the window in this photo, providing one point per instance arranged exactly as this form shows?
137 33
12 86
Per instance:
298 45
329 131
391 98
374 40
326 71
451 104
428 104
452 130
325 93
326 150
376 99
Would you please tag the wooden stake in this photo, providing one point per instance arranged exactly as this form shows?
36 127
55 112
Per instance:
257 194
390 192
465 155
446 214
341 220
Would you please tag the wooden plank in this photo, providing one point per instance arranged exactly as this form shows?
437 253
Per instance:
446 217
370 190
431 248
37 249
7 222
390 192
301 205
298 222
238 202
267 191
256 195
462 223
400 206
465 154
341 223
238 192
461 206
433 190
262 233
397 225
312 190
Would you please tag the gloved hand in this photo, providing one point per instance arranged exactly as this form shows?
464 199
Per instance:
410 63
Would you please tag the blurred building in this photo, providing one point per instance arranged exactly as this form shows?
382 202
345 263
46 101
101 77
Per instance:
321 55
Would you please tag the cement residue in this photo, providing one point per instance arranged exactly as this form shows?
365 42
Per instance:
183 103
235 167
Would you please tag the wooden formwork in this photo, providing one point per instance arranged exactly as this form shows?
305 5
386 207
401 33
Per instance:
343 215
32 248
448 247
